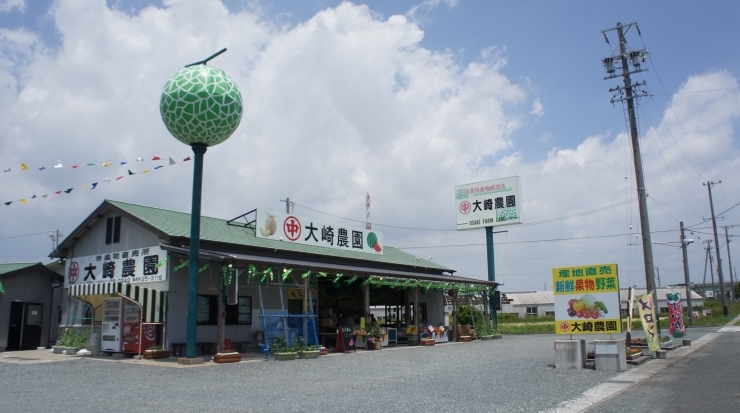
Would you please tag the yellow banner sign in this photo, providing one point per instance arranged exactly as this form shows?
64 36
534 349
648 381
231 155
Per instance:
647 316
587 299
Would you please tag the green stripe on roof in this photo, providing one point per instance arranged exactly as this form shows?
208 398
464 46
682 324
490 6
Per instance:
14 266
177 224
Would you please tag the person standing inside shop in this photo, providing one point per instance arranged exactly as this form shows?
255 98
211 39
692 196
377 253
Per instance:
373 321
333 317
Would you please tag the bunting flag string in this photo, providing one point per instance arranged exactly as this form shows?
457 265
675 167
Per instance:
336 279
91 186
59 165
306 274
286 273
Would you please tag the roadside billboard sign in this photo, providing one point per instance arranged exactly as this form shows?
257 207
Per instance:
587 299
488 203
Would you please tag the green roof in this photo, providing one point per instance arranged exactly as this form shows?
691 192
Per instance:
14 266
177 224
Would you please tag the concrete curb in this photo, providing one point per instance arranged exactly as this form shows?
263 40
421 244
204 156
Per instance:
624 381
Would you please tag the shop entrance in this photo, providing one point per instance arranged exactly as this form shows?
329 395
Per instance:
24 331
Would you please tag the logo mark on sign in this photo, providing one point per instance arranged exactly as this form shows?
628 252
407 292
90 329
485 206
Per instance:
150 332
292 228
74 272
564 327
464 207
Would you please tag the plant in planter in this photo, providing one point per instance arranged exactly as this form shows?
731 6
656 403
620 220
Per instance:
486 331
305 351
71 342
281 350
156 352
374 337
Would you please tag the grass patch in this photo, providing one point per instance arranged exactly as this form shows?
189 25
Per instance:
517 320
528 328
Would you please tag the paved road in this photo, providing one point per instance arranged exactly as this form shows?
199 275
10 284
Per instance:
705 381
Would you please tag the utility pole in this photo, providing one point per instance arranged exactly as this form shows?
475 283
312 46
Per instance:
657 275
289 206
711 265
725 310
687 279
729 263
628 93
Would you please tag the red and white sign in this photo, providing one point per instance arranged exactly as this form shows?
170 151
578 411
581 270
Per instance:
74 272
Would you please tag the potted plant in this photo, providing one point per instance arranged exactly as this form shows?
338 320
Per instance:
305 351
227 356
281 350
486 331
374 337
70 342
156 352
633 353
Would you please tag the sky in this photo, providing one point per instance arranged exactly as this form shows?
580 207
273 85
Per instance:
399 99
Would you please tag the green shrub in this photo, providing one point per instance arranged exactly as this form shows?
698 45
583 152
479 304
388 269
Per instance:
464 312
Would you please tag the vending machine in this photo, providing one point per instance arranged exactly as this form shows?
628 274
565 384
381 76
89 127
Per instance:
133 332
111 340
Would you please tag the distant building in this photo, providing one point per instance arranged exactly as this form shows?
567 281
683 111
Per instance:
542 303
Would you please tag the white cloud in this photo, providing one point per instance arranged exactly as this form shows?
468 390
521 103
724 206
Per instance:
8 5
342 104
538 109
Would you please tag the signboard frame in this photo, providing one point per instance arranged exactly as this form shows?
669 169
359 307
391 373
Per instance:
587 300
488 203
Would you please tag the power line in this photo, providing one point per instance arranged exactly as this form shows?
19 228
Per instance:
445 229
693 91
27 235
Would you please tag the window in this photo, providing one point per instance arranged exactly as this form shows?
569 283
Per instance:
549 313
532 311
241 312
113 230
237 314
79 313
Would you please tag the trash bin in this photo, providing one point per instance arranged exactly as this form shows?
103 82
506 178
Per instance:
95 343
413 339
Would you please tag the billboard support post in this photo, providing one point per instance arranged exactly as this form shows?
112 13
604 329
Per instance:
491 274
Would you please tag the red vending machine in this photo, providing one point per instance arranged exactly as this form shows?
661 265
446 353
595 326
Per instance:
131 332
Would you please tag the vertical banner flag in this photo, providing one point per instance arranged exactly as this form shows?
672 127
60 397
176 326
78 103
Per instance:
630 308
676 325
647 315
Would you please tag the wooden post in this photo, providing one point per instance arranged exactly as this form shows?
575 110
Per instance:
366 302
416 310
221 314
454 312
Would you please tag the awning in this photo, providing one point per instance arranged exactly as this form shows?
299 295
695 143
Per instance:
249 258
152 302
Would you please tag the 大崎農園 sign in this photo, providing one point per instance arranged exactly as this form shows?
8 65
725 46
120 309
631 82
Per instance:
488 203
587 299
131 266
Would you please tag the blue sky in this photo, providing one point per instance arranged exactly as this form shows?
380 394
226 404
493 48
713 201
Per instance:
529 99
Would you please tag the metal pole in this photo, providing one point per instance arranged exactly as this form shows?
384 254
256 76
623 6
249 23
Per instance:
199 150
729 263
686 276
491 273
725 310
647 246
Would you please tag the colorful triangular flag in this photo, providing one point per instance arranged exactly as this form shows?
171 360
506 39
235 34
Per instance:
145 171
156 158
107 180
160 166
44 195
57 192
24 167
124 163
94 184
58 164
84 186
8 170
23 201
106 164
34 195
186 159
75 166
9 202
139 159
130 173
91 164
172 161
120 177
69 190
42 168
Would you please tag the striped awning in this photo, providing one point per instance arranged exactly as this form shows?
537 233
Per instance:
152 302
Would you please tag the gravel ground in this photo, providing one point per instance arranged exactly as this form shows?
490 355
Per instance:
515 374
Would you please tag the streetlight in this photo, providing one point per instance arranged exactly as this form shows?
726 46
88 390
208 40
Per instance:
201 106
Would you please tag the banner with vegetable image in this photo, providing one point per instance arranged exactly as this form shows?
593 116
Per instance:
675 312
647 316
587 299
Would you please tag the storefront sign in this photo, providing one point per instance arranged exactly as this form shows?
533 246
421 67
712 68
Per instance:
675 311
488 203
306 231
647 316
131 266
587 299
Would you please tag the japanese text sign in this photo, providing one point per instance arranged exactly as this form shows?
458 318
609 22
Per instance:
488 203
298 230
647 316
131 266
587 299
675 312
